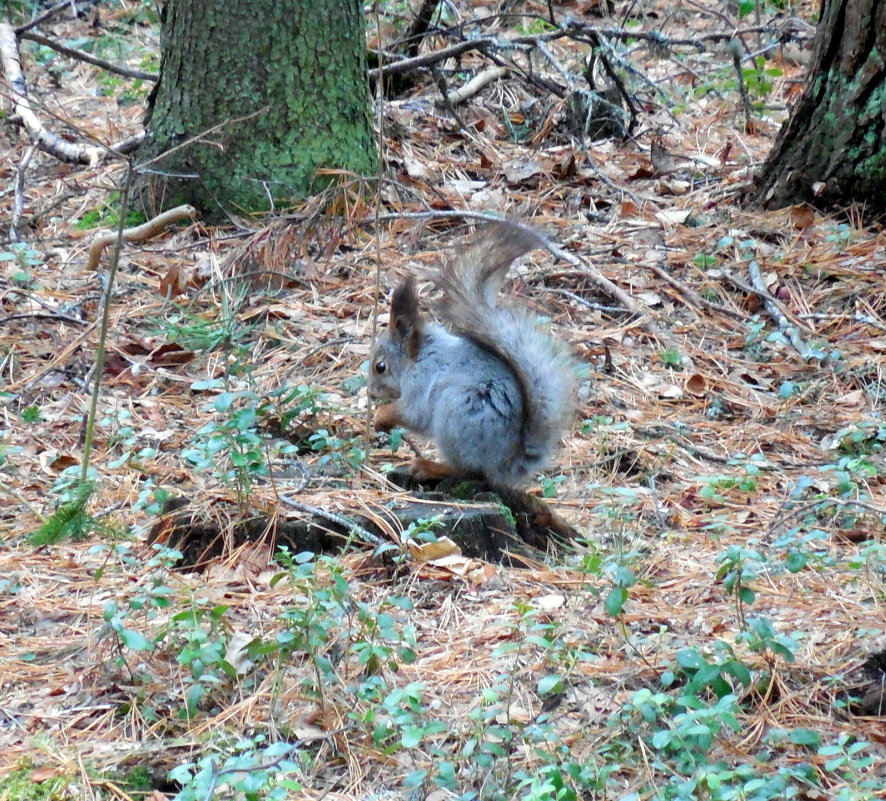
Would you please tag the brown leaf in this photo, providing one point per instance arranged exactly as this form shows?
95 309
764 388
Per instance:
662 161
696 385
430 551
801 217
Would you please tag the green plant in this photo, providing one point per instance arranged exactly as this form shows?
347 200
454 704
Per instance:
702 675
537 25
70 519
344 454
231 446
312 624
671 358
25 257
762 638
738 566
713 486
248 769
704 261
106 215
200 636
550 484
154 597
31 414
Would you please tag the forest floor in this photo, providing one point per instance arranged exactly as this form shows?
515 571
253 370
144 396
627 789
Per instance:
718 630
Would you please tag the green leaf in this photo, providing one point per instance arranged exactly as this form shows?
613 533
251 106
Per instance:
551 683
805 737
615 601
411 737
135 641
223 401
746 594
795 561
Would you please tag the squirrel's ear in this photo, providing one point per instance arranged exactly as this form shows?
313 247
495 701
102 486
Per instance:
405 317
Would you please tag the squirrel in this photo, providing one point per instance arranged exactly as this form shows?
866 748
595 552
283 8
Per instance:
494 392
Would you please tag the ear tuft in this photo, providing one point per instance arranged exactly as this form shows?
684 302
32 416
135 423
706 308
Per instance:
406 320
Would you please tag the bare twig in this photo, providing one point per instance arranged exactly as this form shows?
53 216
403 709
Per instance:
409 64
45 140
82 55
419 27
99 364
776 313
736 53
474 85
46 15
137 234
340 520
18 204
693 297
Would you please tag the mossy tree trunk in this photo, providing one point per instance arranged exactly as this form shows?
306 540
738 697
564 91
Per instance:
832 150
254 96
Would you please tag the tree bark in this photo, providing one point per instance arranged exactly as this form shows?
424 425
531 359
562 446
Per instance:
254 97
832 151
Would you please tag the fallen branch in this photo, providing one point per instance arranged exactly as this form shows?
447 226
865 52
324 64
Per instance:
46 15
784 325
137 234
474 85
409 64
693 297
367 536
82 55
48 142
419 27
18 203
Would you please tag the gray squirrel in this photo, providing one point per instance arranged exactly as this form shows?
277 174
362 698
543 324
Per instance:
494 392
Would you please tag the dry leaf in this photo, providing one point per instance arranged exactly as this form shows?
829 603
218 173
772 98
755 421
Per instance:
236 655
857 398
673 216
430 551
801 217
547 603
696 385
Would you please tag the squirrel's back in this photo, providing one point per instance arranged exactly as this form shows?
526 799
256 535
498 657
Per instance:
541 368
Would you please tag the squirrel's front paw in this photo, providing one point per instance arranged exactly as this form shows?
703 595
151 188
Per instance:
386 417
427 469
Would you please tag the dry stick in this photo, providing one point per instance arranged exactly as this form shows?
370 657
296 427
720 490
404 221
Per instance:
736 53
419 27
18 204
444 95
410 64
48 14
376 292
572 31
81 55
198 136
105 323
693 297
367 536
46 141
474 85
126 146
776 313
137 234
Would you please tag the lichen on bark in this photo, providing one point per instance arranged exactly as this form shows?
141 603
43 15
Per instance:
255 96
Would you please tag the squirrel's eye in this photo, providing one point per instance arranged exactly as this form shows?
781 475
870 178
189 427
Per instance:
380 367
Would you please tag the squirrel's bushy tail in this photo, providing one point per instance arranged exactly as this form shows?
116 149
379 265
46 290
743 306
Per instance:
543 368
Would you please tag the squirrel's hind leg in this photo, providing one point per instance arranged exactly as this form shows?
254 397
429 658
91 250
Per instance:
427 469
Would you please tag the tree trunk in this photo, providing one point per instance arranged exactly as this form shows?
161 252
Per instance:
832 150
254 96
